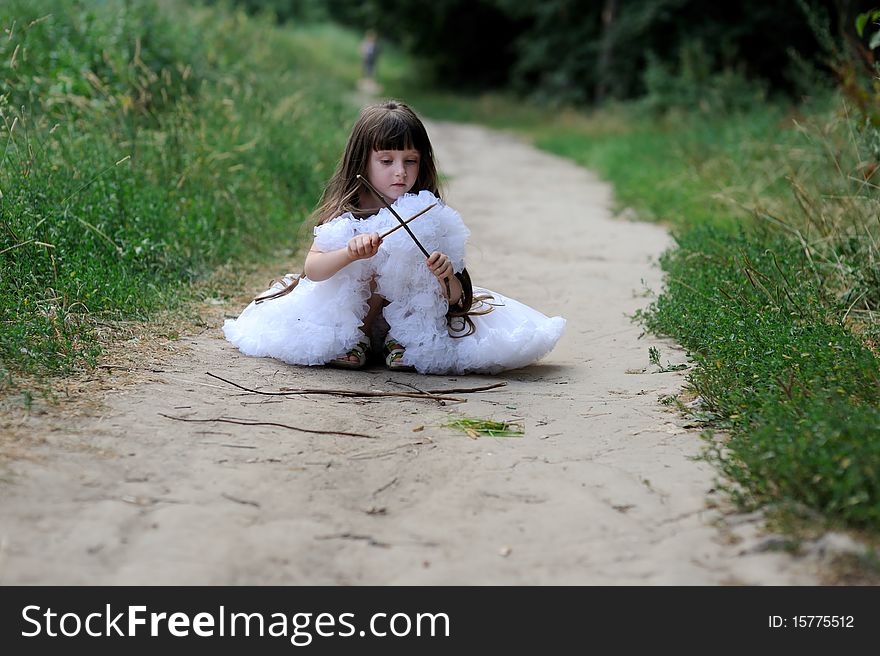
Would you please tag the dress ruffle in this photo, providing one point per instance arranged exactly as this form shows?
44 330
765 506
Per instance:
319 321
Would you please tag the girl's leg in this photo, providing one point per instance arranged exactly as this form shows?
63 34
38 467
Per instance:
376 303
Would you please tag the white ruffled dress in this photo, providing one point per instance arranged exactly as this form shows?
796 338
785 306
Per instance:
319 321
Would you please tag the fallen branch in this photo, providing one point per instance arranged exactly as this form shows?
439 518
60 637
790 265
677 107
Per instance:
244 422
448 390
352 393
287 391
463 390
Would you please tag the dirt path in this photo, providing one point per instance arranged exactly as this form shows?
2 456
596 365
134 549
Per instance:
600 490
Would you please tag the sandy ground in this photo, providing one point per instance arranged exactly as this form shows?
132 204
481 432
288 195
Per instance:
601 489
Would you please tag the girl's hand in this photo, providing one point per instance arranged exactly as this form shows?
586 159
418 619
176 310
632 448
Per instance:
440 265
363 246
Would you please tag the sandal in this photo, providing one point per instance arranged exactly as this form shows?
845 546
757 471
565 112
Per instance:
393 353
358 352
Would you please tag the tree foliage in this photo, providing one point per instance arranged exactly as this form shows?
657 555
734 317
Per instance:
584 51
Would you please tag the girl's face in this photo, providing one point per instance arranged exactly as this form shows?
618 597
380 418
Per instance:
392 172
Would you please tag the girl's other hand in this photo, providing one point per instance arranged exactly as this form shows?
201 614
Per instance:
440 265
363 246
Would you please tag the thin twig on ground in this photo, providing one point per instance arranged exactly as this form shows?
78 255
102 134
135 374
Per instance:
246 422
463 390
374 394
373 542
244 502
386 486
287 391
409 385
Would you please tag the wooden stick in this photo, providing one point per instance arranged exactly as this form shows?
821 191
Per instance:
288 391
450 390
458 390
394 212
242 422
403 224
414 216
288 287
408 395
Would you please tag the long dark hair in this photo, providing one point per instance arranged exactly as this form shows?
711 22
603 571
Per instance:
389 125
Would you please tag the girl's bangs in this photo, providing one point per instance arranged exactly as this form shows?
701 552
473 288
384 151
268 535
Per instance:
395 133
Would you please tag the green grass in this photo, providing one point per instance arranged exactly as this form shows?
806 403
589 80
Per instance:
144 145
476 427
771 286
797 391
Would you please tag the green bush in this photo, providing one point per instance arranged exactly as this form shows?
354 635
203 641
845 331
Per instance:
778 368
696 83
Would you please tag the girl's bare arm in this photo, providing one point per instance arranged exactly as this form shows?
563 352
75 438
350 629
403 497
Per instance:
321 265
441 267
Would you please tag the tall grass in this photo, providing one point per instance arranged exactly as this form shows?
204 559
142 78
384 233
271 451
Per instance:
144 144
781 318
836 185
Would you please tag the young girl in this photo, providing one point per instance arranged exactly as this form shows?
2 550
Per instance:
356 282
